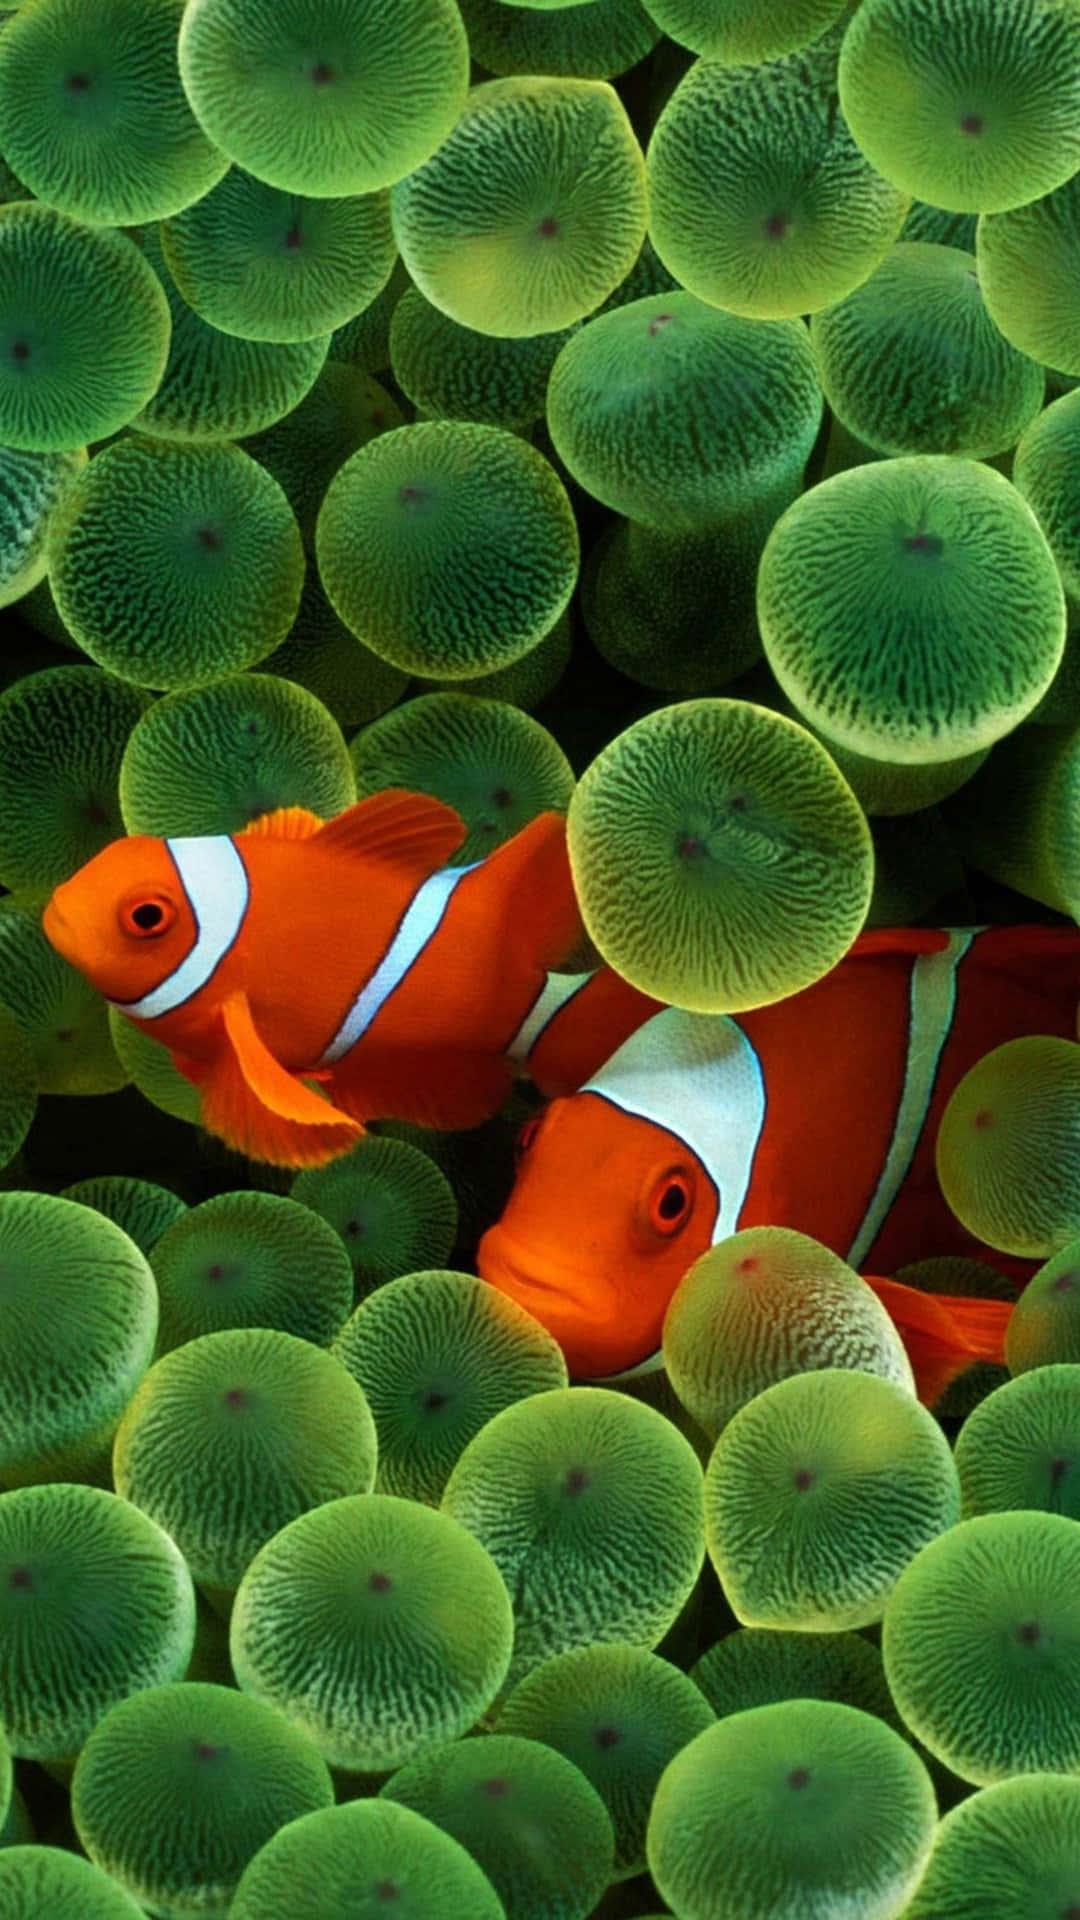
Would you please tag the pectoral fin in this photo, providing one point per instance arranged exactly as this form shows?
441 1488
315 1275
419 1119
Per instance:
262 1109
944 1333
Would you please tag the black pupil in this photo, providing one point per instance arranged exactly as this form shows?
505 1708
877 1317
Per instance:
148 916
672 1201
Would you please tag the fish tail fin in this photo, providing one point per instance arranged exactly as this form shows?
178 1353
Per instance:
944 1333
543 917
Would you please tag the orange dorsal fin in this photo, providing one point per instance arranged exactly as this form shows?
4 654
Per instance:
262 1109
944 1333
407 829
284 823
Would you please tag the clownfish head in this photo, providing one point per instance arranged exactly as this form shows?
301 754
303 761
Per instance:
124 919
607 1213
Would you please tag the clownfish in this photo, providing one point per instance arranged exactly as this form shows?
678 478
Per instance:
342 953
819 1112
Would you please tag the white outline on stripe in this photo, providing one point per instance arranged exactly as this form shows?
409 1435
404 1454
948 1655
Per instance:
215 881
932 1002
556 993
417 926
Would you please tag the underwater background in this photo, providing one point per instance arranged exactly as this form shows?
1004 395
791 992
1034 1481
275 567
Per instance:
663 419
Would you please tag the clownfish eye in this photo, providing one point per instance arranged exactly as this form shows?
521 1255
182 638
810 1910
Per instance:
147 916
669 1202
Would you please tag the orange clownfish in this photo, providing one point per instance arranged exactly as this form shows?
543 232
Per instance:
818 1112
344 953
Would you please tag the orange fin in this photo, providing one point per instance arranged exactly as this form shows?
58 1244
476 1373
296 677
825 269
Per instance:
433 1087
944 1333
544 917
410 829
262 1109
284 823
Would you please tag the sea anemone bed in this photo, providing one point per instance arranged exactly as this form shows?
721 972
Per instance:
539 964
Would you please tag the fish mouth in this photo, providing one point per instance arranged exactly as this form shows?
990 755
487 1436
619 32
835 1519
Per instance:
500 1263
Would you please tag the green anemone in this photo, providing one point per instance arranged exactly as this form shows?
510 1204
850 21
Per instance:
525 682
1029 261
216 386
738 32
62 736
325 97
71 1353
970 104
209 761
679 415
567 1490
378 1625
140 1207
96 1603
179 1786
1020 1447
39 1880
269 265
590 39
981 1640
439 1354
531 212
364 341
1012 1850
528 1816
448 547
148 1064
230 1436
759 199
753 1666
321 655
32 486
393 1207
1044 1325
93 117
453 371
818 1493
806 1807
911 608
720 859
248 1259
18 1086
973 1279
175 565
495 765
1044 470
62 1015
84 329
911 361
354 1859
1008 1146
343 411
620 1715
763 1305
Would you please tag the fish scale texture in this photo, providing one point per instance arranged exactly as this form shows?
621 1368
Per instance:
533 210
759 199
325 96
590 1504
